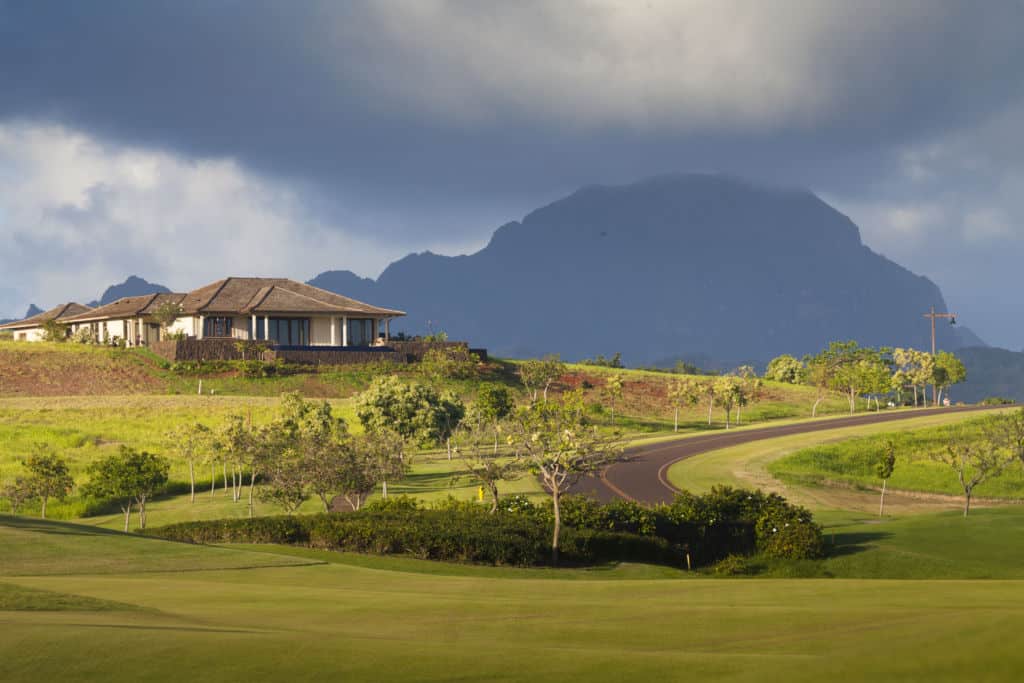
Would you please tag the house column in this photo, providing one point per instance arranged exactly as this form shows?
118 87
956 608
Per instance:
255 327
266 328
373 333
334 331
142 332
387 330
344 330
202 324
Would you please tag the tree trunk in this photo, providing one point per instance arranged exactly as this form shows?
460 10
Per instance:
225 466
711 405
852 398
44 507
192 481
384 489
558 526
213 479
142 512
448 445
814 410
967 502
727 411
494 495
676 429
546 391
252 485
127 515
881 503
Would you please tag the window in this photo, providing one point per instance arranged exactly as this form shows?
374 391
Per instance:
217 327
289 331
360 332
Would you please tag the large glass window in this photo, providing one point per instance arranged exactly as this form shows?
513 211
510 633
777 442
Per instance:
217 327
360 332
287 331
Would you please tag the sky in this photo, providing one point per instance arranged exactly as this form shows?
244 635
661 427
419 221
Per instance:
186 140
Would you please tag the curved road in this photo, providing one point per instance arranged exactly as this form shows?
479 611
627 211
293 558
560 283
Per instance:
642 477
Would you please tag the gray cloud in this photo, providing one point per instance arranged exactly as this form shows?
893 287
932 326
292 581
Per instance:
427 123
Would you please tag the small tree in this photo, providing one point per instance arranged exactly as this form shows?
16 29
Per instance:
612 391
948 370
483 464
130 476
557 443
785 368
165 314
728 394
684 391
359 471
48 477
53 331
448 362
974 461
538 375
17 493
493 404
190 442
884 468
384 451
750 388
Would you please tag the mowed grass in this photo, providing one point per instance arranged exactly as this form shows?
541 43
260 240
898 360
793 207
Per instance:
748 464
852 462
342 621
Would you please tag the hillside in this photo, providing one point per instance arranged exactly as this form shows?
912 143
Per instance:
682 266
991 372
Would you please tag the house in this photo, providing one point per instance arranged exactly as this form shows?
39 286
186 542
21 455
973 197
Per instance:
283 312
32 329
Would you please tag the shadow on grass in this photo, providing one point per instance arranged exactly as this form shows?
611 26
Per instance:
49 526
852 542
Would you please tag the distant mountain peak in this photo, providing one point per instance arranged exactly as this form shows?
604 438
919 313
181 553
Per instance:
132 286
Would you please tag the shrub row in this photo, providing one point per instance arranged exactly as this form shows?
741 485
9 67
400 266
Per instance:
451 535
726 522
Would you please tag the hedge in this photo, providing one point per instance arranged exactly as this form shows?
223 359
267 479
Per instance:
726 522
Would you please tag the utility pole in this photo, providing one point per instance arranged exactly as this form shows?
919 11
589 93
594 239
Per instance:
952 321
933 315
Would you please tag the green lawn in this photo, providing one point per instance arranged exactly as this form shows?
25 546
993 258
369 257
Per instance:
852 462
749 464
387 621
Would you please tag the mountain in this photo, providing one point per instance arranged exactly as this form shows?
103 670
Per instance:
32 310
133 286
990 372
674 267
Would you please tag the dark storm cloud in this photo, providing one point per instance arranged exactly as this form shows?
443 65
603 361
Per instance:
378 99
430 122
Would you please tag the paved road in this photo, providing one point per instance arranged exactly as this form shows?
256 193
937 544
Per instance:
642 477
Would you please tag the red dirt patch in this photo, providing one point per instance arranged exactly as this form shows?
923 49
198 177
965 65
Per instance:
48 371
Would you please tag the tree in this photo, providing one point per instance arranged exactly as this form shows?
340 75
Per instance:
53 331
385 454
166 314
1007 432
556 442
48 477
820 371
750 388
189 442
728 394
948 370
684 391
130 476
974 461
852 368
884 468
784 368
613 390
17 493
493 404
483 464
448 362
913 369
359 472
537 375
875 378
326 449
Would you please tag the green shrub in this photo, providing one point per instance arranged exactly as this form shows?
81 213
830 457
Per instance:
734 565
997 401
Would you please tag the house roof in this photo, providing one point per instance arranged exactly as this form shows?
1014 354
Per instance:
249 295
58 313
127 307
241 296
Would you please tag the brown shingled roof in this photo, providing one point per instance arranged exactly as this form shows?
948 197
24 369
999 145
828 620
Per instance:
126 307
58 313
246 295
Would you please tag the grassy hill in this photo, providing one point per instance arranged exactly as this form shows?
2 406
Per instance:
153 611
